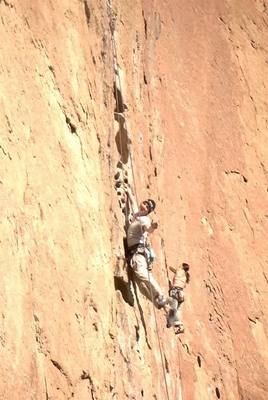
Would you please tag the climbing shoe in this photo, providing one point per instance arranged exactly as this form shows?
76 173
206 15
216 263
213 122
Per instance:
161 301
179 330
178 326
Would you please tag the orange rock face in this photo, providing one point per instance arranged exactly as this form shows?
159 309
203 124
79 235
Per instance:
171 97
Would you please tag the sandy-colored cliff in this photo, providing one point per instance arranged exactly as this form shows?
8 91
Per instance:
193 76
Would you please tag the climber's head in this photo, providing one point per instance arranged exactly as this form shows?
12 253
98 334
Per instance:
146 207
185 267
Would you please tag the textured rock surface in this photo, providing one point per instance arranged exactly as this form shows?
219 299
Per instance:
193 76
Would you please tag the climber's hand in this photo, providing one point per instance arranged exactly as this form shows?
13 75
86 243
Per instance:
155 225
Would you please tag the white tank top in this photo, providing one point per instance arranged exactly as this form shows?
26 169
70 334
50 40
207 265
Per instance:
135 233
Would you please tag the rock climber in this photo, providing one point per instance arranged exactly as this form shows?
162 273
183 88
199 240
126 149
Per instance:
140 259
176 292
181 279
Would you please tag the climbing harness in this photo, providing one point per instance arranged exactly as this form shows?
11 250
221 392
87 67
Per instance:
147 252
177 293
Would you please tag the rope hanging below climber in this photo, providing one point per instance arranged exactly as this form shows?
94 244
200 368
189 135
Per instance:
140 255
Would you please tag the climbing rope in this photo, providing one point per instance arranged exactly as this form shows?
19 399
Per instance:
158 337
117 73
180 373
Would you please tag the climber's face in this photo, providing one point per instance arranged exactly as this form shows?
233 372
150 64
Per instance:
144 208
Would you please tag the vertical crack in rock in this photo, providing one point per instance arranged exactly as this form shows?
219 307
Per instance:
145 25
73 129
62 371
166 365
6 153
120 106
145 78
47 395
264 171
6 3
150 153
265 277
187 348
85 375
71 126
249 224
121 138
137 328
199 361
87 12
